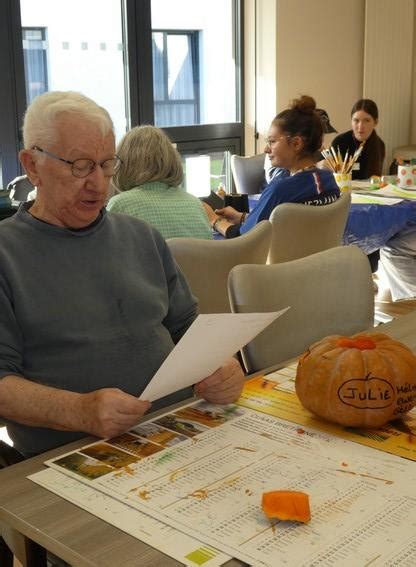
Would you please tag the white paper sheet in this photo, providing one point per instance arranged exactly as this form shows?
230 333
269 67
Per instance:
361 184
390 191
208 343
393 191
369 198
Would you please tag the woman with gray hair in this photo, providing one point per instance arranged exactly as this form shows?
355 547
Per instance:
149 183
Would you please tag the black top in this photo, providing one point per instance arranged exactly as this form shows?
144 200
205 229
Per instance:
372 156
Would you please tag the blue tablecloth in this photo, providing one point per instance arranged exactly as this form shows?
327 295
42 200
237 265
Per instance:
370 226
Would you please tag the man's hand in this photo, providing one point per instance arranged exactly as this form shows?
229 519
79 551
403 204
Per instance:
224 386
109 412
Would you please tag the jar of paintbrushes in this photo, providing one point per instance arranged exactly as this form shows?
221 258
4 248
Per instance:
341 166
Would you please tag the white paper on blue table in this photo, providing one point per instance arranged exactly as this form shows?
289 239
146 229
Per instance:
208 343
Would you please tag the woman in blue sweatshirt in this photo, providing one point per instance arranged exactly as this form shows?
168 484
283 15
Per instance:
295 135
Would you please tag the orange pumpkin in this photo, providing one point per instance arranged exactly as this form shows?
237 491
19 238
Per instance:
286 505
360 381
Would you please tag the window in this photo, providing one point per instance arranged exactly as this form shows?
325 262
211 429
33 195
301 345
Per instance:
75 58
173 63
210 160
175 78
35 61
196 62
207 172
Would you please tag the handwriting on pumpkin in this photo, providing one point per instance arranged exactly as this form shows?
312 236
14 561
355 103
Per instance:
367 393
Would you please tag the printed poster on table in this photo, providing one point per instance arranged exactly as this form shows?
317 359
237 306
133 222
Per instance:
202 469
275 395
182 547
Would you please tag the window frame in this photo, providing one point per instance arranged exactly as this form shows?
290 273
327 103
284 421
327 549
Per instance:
136 21
41 29
140 61
12 90
193 36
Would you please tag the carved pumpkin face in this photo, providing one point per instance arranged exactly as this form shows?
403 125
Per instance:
362 381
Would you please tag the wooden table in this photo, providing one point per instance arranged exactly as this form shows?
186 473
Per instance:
80 538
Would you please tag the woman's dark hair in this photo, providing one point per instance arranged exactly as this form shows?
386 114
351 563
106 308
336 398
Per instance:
300 119
366 104
374 146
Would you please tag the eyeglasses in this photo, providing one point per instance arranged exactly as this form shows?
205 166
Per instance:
271 141
83 166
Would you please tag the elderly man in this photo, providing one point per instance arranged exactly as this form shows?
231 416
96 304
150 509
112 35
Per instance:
90 304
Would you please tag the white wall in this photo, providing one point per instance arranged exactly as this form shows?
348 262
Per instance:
320 50
388 67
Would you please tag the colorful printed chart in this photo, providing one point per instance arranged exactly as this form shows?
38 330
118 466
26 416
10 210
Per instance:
202 470
183 548
275 395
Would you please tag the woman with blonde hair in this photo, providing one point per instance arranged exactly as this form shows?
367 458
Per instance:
149 182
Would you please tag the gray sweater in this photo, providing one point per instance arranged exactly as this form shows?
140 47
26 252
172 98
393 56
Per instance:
87 309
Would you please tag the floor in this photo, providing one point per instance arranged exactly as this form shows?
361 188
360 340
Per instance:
394 309
384 304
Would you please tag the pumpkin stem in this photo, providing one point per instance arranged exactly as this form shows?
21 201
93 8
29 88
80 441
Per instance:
362 343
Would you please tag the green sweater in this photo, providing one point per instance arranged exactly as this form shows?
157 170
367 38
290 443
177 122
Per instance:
82 310
171 210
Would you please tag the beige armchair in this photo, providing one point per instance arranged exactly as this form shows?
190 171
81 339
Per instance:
207 263
300 230
330 292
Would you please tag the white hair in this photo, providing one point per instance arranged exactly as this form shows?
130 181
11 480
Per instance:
40 121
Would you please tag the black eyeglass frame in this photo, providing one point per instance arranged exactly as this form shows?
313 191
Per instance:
116 158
